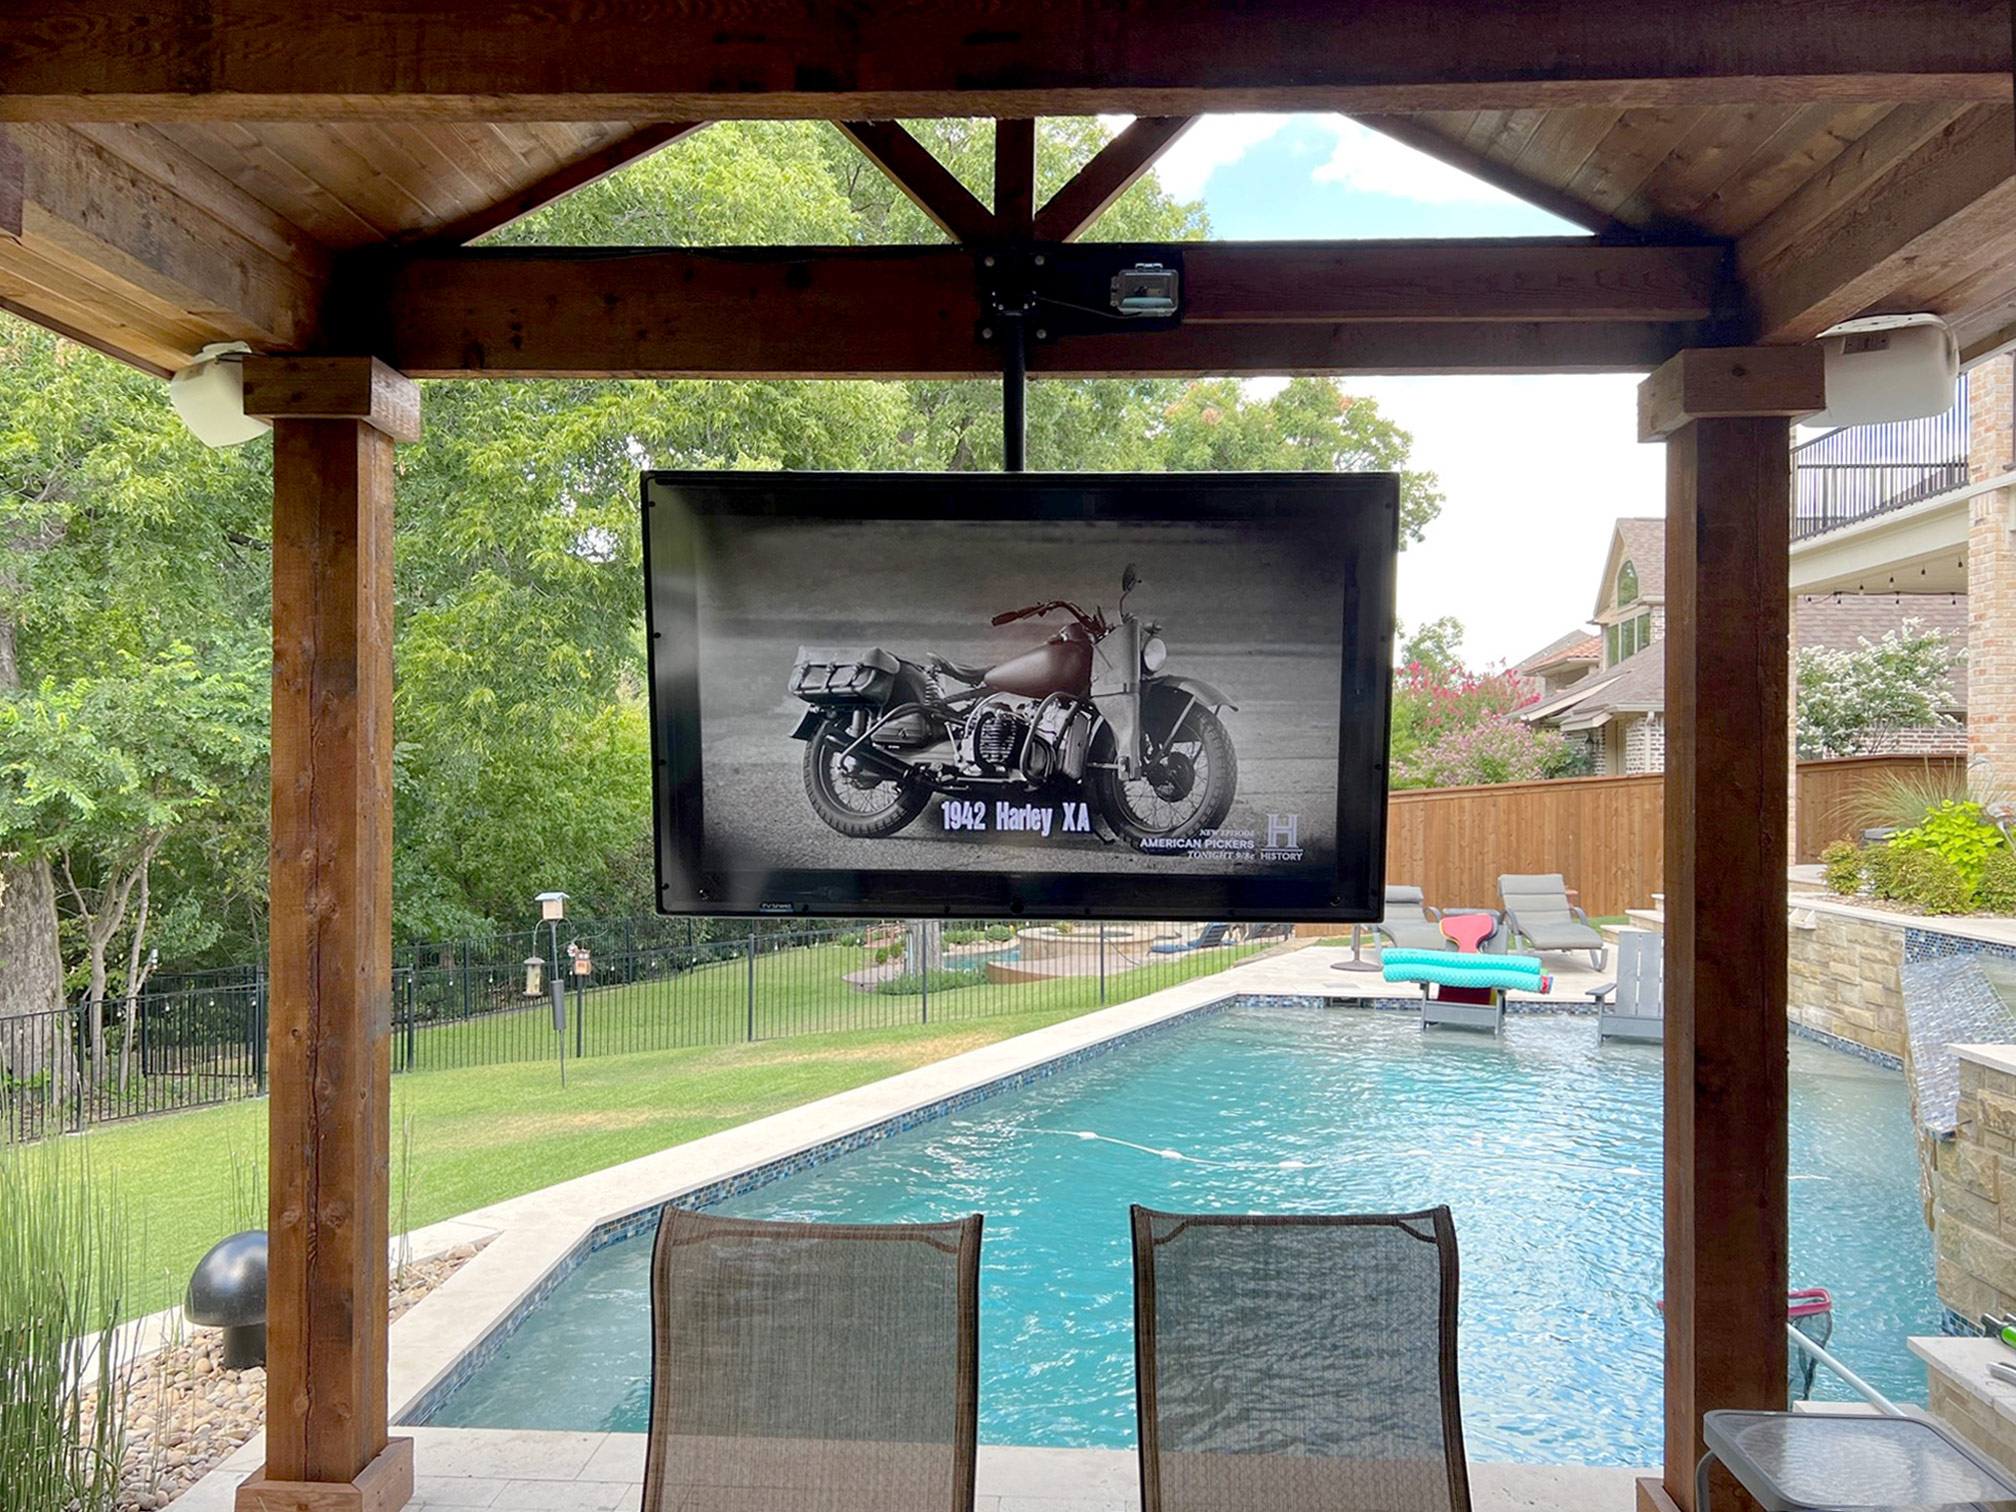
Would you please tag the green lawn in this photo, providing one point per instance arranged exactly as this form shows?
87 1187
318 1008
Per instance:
485 1133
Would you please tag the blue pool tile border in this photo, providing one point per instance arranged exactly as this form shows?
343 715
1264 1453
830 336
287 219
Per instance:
1937 945
644 1220
1881 1058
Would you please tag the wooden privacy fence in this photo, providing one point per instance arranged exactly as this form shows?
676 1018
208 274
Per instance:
1605 835
1832 794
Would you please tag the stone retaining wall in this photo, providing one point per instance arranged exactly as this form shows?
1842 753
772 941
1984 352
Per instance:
1843 978
1974 1210
1972 1418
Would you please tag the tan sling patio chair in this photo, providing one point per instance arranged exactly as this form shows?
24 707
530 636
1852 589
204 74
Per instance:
801 1367
1298 1364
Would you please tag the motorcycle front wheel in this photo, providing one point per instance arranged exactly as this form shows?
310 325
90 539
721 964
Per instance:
1187 780
861 806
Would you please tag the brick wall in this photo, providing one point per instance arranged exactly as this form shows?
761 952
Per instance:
1645 745
1991 573
1842 980
1919 740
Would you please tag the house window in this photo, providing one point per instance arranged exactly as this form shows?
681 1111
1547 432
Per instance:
1627 639
1627 585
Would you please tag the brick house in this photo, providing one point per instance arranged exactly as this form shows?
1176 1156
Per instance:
1605 688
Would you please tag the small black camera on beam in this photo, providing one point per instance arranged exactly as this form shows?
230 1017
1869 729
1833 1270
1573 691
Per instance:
1146 289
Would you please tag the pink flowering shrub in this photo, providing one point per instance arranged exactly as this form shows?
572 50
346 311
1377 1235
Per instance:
1458 727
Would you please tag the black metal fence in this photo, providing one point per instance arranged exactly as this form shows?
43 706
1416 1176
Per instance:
1863 470
631 986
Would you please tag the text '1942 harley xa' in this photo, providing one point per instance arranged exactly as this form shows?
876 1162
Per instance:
1089 718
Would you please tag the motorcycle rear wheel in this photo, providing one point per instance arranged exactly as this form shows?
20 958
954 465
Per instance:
1198 751
859 810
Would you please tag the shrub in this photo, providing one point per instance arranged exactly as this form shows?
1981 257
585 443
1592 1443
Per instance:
963 936
63 1271
1996 892
1841 864
999 932
1931 881
1958 832
948 980
1880 866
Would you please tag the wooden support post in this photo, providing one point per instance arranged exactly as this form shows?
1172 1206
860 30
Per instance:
1014 179
1728 526
326 1444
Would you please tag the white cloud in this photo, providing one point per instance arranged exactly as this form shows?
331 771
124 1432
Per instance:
1375 164
1214 142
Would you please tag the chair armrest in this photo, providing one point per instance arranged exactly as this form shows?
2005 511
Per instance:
1582 916
1602 991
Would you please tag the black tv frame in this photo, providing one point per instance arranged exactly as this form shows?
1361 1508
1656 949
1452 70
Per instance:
1362 511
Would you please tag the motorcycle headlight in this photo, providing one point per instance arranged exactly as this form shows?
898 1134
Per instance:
1154 653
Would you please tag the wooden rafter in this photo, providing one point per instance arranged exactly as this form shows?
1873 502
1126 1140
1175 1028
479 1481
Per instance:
912 311
149 269
557 185
928 183
1113 170
717 59
1431 143
1932 217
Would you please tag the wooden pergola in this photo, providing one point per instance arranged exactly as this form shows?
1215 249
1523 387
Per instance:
306 179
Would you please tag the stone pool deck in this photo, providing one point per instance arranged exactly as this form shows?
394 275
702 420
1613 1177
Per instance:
506 1470
534 1239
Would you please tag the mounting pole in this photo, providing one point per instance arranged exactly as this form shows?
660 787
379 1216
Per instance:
1014 393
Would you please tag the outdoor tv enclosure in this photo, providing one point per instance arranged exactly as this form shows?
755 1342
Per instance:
1052 696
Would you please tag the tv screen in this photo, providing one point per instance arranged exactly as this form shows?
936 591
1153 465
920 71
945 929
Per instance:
1050 695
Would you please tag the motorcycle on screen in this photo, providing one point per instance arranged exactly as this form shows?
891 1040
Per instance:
1090 721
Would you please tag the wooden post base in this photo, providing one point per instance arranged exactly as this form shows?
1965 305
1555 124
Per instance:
384 1485
1652 1497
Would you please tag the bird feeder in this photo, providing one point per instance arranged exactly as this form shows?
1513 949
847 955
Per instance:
535 972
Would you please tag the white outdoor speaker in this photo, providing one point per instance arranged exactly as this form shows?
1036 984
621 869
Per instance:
209 395
1889 367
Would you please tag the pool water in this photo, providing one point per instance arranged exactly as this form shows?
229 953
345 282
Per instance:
1545 1145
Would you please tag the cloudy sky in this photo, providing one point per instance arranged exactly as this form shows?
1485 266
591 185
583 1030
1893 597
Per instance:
1534 470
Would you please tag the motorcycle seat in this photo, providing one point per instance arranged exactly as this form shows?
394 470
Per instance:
965 674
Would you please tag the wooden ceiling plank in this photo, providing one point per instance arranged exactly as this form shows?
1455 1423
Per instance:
557 185
1575 209
185 174
1561 144
437 182
114 60
342 172
1932 211
248 160
63 294
106 213
926 182
1621 163
1737 206
1114 169
1711 154
763 311
1853 173
1509 137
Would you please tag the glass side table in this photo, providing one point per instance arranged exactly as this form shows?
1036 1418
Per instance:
1792 1461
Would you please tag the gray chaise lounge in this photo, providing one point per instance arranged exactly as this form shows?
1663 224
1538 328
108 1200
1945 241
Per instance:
1539 912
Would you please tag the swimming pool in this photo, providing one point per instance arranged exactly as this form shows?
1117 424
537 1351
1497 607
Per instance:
1545 1145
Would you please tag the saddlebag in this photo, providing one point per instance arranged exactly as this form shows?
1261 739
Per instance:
824 674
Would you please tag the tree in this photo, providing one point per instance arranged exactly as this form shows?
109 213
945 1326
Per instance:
101 769
1453 727
1435 647
121 537
1847 699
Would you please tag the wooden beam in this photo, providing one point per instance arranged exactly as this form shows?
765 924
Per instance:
1854 245
139 264
1727 629
333 388
563 60
330 1060
558 184
13 186
1425 139
928 183
885 312
1715 383
1111 173
1015 179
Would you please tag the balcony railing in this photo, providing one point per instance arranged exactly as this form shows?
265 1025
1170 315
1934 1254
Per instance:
1859 471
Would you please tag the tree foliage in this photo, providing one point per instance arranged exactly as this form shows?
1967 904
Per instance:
1847 699
521 762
